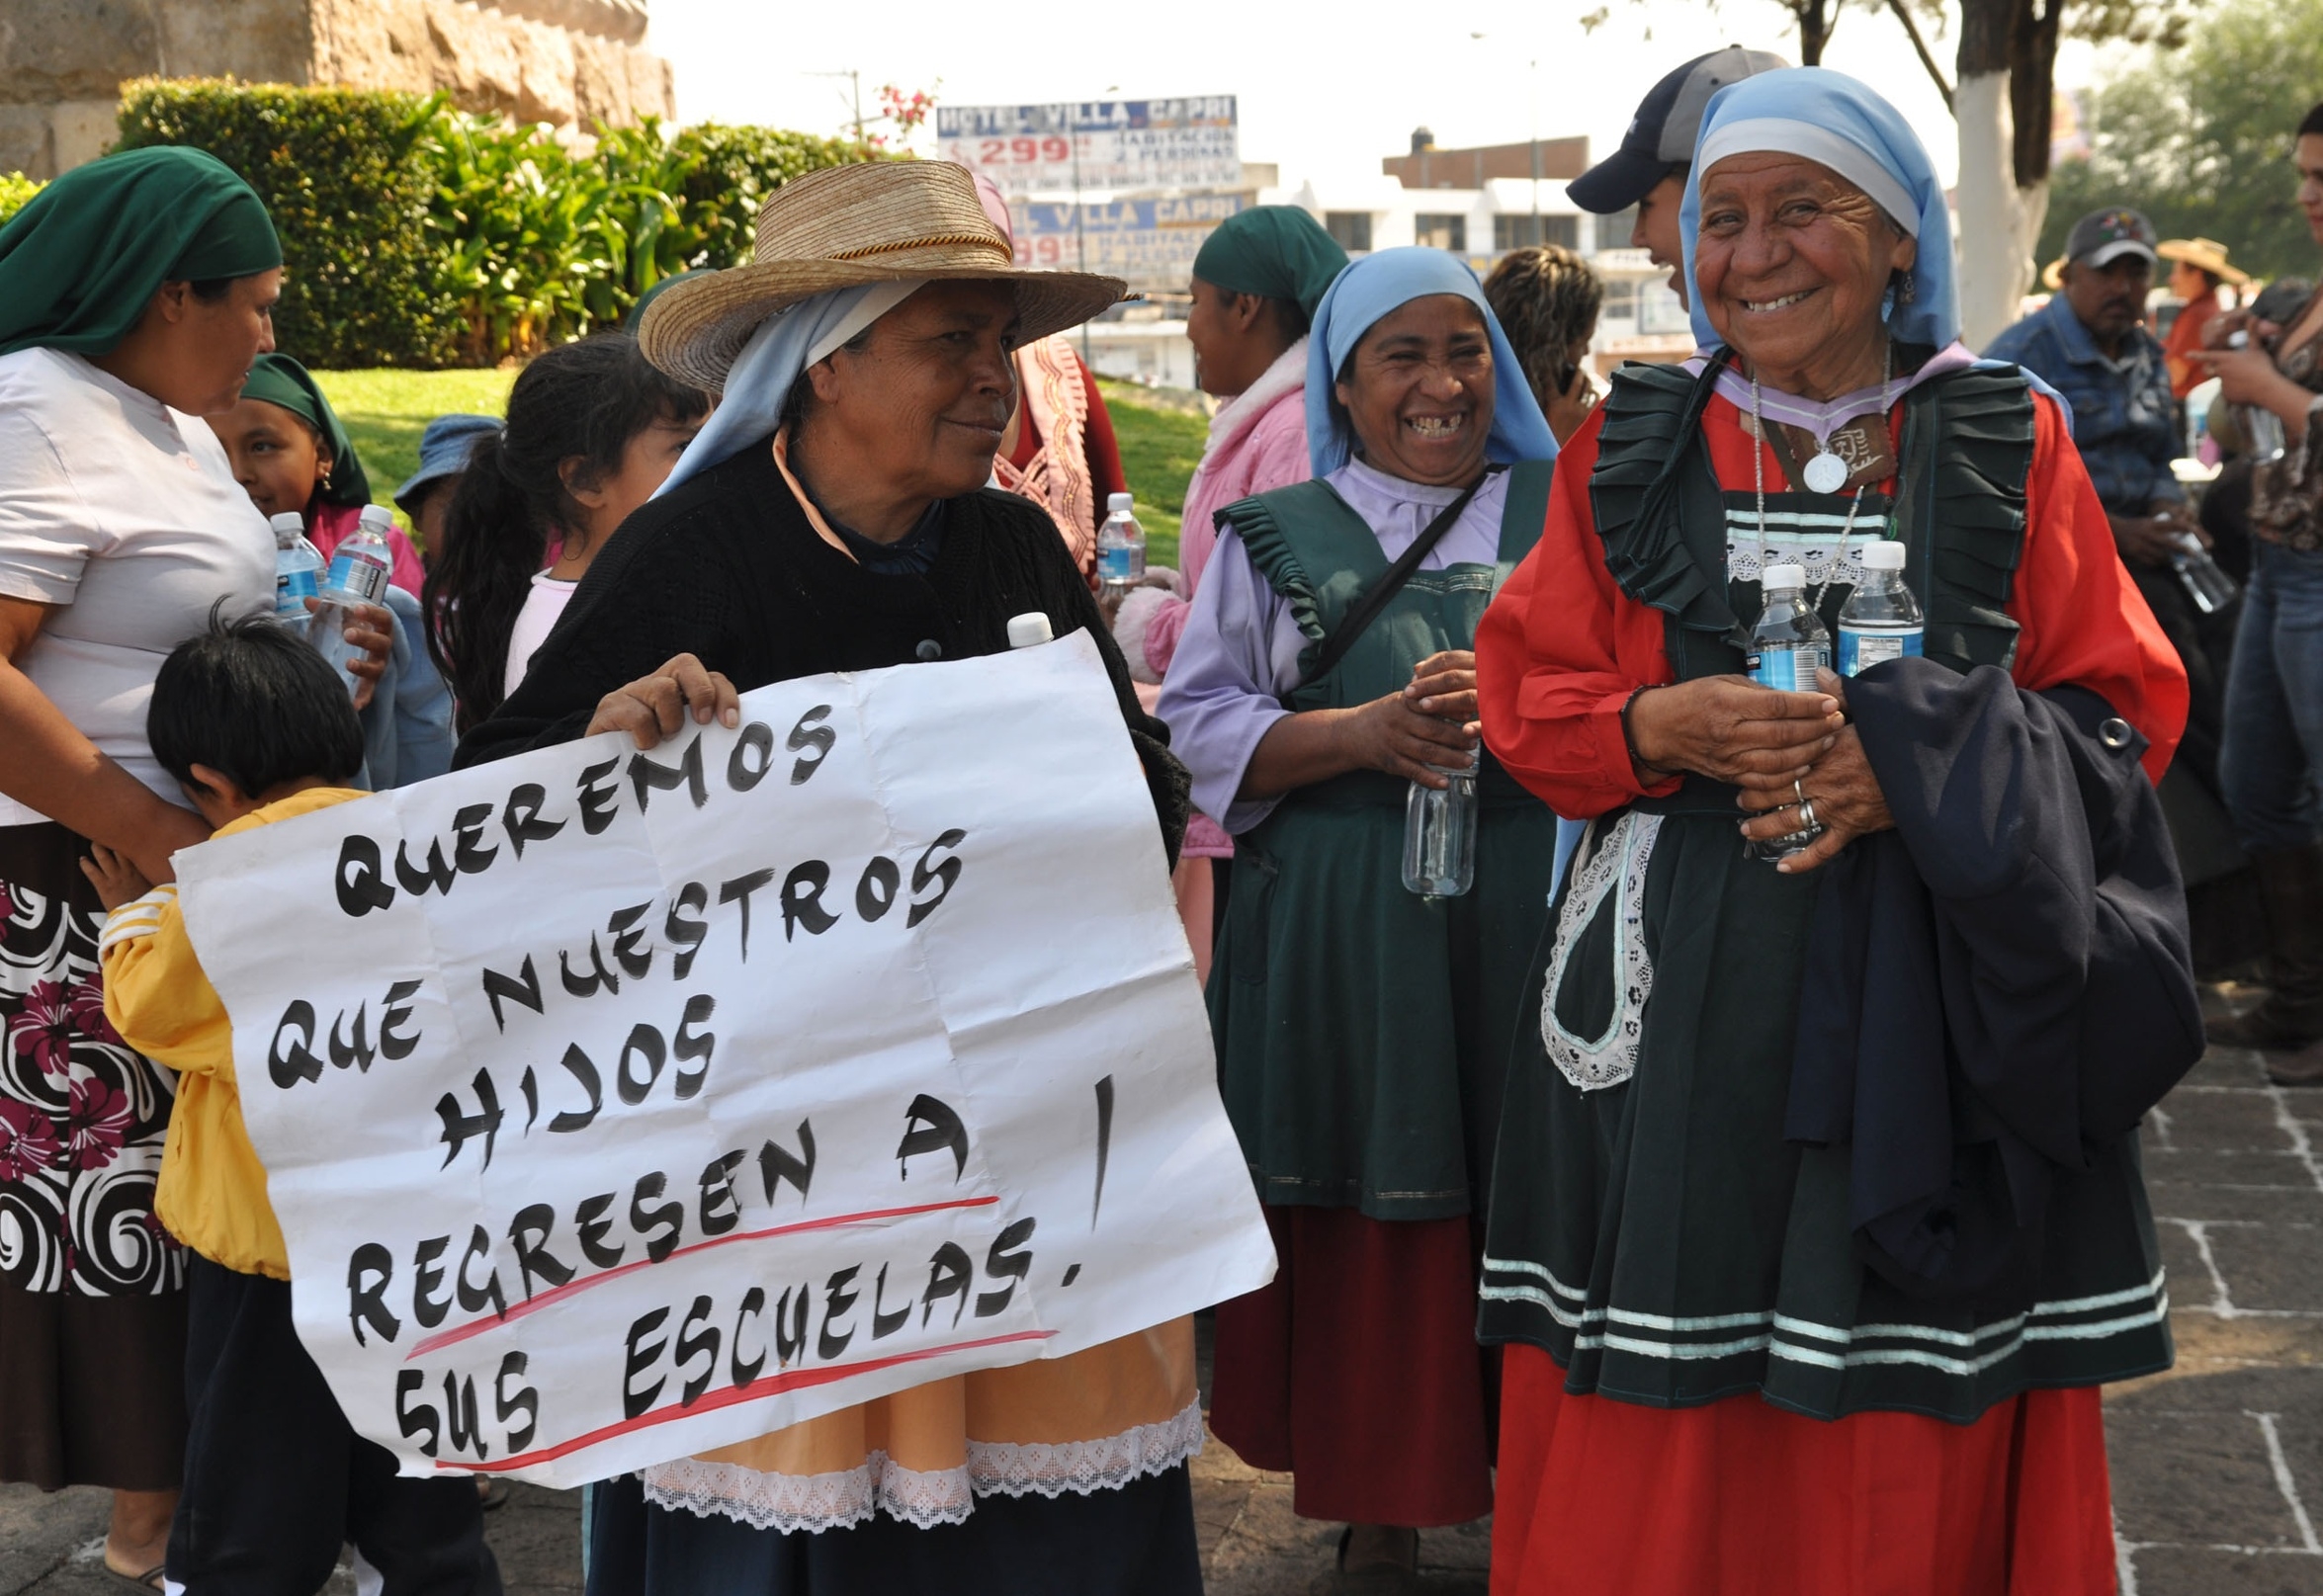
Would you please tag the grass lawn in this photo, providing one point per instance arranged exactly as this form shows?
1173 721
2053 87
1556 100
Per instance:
385 412
1160 433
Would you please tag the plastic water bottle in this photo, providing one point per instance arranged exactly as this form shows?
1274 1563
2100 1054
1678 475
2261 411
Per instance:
2262 428
361 565
1030 629
1787 646
1121 548
1881 620
358 574
2211 588
1439 834
295 565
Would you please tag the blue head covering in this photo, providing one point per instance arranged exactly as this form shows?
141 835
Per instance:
1830 118
1369 289
785 345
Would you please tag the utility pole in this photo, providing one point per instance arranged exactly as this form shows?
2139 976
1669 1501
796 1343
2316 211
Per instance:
854 77
1080 240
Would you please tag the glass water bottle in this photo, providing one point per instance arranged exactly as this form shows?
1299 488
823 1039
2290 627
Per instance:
1439 834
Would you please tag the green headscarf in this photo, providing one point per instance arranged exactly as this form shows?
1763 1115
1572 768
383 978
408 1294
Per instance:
1276 251
81 261
280 379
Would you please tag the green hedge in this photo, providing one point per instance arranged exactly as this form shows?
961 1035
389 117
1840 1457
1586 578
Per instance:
15 190
416 235
341 172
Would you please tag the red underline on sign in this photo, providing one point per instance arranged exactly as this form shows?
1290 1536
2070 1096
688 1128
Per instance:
445 1338
764 1385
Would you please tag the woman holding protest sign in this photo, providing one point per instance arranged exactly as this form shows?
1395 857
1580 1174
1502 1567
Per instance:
136 293
1325 672
831 516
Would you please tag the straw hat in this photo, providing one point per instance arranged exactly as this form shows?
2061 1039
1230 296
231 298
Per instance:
847 226
2205 253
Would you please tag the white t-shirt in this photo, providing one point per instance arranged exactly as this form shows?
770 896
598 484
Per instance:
542 605
125 515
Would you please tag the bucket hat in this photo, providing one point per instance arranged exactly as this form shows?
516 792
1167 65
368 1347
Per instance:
879 221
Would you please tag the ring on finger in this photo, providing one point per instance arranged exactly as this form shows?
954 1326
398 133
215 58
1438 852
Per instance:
1798 786
1807 815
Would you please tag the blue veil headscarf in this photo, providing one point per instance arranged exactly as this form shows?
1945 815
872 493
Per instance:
1370 289
1830 118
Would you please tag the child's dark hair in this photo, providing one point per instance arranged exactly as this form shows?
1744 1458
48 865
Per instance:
586 399
252 701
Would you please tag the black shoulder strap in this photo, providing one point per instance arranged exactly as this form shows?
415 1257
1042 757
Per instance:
1380 594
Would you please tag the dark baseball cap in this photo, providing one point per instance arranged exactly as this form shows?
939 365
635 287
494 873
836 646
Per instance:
1661 137
2103 236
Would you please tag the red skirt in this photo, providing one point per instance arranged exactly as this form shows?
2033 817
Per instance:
1357 1369
1741 1498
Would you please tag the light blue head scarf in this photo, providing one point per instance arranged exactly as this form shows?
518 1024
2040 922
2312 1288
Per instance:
1370 289
1830 118
784 346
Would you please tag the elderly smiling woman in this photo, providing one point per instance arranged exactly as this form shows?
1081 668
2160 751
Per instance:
1816 1219
833 516
1361 1027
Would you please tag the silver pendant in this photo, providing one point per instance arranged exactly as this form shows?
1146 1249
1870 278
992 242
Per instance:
1825 474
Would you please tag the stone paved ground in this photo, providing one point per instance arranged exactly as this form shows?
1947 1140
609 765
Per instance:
2218 1465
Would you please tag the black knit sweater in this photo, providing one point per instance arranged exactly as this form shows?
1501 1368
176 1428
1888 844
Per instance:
728 569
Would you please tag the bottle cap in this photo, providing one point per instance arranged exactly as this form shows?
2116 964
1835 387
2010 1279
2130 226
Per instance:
1779 576
289 528
377 518
1117 504
1031 628
1885 554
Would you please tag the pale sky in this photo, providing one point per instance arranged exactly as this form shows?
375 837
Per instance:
1325 91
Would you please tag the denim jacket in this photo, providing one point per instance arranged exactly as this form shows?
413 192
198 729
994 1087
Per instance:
2123 418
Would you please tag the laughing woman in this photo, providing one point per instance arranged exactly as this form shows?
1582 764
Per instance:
1810 1248
1361 1027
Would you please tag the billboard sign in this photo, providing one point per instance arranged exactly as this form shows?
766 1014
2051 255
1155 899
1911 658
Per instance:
1060 149
1149 243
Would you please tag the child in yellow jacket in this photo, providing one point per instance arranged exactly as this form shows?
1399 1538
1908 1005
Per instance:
256 728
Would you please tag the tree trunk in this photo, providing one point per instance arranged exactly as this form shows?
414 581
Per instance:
2006 52
1815 22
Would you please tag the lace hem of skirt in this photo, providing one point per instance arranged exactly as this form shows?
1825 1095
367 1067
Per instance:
793 1503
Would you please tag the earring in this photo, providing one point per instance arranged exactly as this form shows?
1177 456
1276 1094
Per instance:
1908 289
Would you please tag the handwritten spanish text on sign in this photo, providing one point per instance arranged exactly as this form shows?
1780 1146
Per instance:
621 1106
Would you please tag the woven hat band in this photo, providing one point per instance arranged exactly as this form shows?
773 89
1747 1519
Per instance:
942 240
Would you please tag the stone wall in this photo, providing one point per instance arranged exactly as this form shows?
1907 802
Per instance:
571 63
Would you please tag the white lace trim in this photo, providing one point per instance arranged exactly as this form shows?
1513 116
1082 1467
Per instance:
1616 866
1811 539
923 1498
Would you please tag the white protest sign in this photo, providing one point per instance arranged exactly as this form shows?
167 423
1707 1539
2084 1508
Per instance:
618 1107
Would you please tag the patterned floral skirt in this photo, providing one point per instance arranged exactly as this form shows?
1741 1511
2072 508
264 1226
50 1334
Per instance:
92 1289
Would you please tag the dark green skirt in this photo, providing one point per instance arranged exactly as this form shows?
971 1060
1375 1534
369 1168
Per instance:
1362 1029
1652 1231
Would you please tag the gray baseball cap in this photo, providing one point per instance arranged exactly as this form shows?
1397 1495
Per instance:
1661 137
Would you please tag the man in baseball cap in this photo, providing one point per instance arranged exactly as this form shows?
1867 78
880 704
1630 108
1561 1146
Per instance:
1649 170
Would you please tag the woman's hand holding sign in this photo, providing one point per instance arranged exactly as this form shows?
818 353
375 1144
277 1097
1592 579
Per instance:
655 707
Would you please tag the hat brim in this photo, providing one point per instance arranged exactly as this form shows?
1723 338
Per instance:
695 330
1619 181
2108 253
2173 249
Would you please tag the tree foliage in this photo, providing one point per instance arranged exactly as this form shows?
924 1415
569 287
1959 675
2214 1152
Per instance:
2199 139
15 190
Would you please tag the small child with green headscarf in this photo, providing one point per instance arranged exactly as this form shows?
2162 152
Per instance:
292 455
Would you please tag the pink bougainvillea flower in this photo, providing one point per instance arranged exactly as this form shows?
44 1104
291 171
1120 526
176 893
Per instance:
97 1120
27 1141
86 1004
42 1030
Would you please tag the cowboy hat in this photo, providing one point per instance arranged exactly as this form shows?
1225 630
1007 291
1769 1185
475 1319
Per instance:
879 221
2206 254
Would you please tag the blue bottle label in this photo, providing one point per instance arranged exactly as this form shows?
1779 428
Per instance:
1789 670
363 577
292 590
1859 650
1116 565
